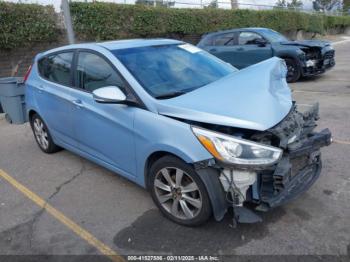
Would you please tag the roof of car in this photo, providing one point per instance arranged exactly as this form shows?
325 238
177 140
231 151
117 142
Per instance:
238 29
118 44
121 44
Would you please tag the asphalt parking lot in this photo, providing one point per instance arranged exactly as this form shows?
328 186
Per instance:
91 210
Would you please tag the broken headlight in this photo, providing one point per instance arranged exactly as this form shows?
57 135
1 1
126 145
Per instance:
232 150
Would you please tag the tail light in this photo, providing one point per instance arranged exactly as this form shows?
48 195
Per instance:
27 73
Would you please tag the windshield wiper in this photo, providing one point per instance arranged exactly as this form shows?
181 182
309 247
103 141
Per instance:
171 95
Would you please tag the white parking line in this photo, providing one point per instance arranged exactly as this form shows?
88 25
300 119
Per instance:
341 41
84 234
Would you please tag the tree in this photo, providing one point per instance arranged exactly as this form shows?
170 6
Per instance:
327 5
294 4
346 5
281 4
155 3
234 4
213 4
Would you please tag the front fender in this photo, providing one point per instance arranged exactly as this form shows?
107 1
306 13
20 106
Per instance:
157 133
288 51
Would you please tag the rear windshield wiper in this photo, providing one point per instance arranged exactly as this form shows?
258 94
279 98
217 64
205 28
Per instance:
171 95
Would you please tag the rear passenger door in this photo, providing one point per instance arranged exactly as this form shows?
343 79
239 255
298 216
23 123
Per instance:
53 95
103 131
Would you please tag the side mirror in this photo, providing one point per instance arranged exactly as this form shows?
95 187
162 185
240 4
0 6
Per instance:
260 42
109 95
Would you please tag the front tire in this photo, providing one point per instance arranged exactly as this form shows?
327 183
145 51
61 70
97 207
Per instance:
294 73
179 192
42 135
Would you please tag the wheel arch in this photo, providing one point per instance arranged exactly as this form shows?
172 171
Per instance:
208 175
153 157
288 56
31 113
298 63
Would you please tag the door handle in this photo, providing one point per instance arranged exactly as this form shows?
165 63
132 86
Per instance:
78 103
213 50
240 49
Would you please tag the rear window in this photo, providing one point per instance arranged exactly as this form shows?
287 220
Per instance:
57 68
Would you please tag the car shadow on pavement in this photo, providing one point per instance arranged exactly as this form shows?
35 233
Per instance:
153 233
306 79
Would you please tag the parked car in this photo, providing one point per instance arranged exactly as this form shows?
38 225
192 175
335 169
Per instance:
199 134
247 46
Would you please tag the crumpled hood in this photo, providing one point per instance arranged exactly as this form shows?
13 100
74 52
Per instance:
256 97
307 43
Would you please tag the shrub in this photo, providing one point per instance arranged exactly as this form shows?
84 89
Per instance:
105 21
336 22
24 24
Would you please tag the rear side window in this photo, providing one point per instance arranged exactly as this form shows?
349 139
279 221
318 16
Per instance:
226 39
94 72
57 68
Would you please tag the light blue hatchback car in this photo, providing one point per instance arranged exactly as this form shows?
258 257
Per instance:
199 134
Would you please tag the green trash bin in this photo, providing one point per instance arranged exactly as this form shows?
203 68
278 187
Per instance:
12 99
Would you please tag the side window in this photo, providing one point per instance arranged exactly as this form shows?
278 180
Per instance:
248 38
57 68
207 41
94 72
226 39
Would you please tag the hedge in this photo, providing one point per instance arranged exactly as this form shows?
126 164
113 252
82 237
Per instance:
336 22
105 21
23 24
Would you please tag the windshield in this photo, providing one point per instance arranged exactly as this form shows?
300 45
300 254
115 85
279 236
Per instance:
274 36
171 70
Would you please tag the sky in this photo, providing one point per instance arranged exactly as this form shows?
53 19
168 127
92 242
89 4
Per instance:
256 4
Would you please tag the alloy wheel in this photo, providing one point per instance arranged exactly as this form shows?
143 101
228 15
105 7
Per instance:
178 193
291 71
41 134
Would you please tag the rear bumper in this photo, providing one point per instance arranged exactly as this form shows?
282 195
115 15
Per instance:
296 172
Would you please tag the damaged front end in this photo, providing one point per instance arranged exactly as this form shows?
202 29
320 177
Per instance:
270 185
317 60
300 164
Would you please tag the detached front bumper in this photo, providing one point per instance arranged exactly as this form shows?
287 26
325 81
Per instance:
295 173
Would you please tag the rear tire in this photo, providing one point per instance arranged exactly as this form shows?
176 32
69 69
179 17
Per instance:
42 135
294 73
179 192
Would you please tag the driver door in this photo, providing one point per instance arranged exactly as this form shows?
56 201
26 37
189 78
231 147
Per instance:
249 51
224 46
103 131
